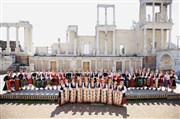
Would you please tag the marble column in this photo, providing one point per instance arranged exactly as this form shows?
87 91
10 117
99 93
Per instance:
25 39
105 15
114 33
8 49
162 12
75 46
153 40
29 45
17 40
170 12
144 11
169 43
114 21
97 42
145 42
153 14
105 42
162 38
97 15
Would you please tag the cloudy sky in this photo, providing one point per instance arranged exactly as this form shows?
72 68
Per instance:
50 19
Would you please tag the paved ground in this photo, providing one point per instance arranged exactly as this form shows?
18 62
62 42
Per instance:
161 109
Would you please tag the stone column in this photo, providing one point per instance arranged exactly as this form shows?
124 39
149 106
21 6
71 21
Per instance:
153 41
144 11
169 43
66 41
129 64
153 20
105 42
96 64
145 42
30 39
162 12
82 48
162 38
17 40
75 46
105 15
97 42
114 21
114 33
170 12
97 15
8 49
25 39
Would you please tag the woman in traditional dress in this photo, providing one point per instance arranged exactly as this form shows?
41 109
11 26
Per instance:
144 78
61 93
166 80
172 81
136 79
7 85
79 90
96 76
56 82
100 76
161 80
12 82
86 90
92 91
53 75
127 78
115 76
103 92
115 93
121 94
34 77
66 91
73 91
83 76
156 79
152 80
29 80
148 78
21 81
97 91
43 77
109 92
48 80
16 81
132 78
38 80
25 78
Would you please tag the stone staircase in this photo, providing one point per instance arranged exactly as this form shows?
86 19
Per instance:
14 67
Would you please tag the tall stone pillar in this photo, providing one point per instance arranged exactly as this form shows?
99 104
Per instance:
17 40
30 39
97 42
162 38
114 21
170 12
153 13
114 42
145 42
162 12
97 15
144 6
8 49
169 43
75 46
153 41
105 42
105 15
26 40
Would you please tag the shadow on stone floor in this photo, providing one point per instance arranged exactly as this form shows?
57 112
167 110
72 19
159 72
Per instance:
90 109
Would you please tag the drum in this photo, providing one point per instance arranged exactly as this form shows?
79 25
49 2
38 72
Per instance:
16 85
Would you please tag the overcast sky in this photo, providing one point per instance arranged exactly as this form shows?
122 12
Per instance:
50 19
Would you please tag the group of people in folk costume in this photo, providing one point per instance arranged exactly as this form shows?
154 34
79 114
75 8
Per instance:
139 79
87 90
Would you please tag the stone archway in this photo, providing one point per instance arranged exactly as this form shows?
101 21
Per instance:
166 62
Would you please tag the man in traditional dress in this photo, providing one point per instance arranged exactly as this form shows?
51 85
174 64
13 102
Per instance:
123 89
166 80
7 86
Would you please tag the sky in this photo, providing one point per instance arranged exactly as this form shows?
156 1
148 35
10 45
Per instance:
50 19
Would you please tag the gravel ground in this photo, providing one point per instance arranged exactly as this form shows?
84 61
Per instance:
160 109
